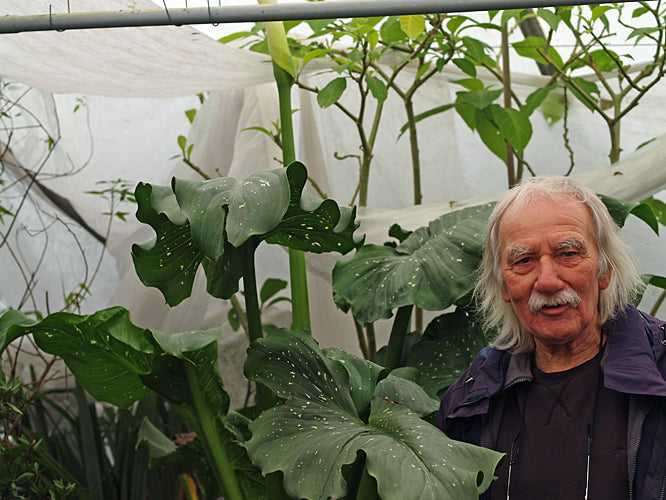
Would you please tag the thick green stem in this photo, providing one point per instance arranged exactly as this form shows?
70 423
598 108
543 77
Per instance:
397 338
299 284
254 328
223 468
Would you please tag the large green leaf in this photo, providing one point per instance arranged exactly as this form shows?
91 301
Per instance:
448 346
171 262
362 376
245 208
620 210
312 224
217 223
106 353
316 432
118 362
432 268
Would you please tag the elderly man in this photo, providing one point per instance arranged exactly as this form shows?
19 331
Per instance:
573 389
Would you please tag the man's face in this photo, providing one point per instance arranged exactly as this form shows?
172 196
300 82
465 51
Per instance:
548 251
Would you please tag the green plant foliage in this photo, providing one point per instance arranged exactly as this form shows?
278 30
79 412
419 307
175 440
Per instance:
120 363
620 211
318 430
432 268
215 223
448 346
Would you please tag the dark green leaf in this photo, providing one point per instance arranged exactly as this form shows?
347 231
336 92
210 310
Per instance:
106 353
490 134
332 92
406 393
466 66
449 344
430 269
315 433
658 208
171 262
226 209
620 210
271 287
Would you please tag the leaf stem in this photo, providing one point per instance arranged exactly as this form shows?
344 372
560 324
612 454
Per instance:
298 278
222 466
397 338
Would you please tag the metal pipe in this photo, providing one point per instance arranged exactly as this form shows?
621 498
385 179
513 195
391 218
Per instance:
255 13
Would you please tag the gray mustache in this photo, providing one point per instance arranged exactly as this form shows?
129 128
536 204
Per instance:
539 300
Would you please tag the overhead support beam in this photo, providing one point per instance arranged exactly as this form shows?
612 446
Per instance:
254 13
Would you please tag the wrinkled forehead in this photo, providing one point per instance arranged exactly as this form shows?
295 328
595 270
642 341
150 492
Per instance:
539 213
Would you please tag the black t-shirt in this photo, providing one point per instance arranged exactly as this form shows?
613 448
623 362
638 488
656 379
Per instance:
552 415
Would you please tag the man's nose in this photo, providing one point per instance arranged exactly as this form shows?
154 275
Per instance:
548 280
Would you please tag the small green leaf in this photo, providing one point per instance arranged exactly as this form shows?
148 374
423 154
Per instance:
191 114
480 99
377 88
490 134
332 92
532 45
413 26
466 66
514 126
535 99
426 114
271 287
391 32
550 17
182 142
475 49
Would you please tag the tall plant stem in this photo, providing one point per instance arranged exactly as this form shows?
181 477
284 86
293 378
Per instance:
397 338
299 283
222 466
254 328
506 77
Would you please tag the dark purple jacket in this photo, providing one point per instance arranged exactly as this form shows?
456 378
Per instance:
634 362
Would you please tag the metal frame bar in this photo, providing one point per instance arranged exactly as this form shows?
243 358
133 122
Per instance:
254 13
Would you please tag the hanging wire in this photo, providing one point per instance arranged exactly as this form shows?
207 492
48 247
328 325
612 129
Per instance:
60 30
167 11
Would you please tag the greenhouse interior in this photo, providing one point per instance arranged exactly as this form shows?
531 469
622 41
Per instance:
237 259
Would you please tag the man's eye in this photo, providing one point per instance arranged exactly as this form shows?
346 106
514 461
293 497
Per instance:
524 260
568 253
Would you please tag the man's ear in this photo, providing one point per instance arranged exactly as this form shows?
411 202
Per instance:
505 294
604 281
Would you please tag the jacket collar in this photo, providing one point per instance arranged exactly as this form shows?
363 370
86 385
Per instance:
629 364
633 351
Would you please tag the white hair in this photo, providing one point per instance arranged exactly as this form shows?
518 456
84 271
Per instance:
613 257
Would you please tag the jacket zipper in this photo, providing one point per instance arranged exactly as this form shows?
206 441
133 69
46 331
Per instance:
632 479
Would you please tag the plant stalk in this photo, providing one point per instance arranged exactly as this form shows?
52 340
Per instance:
298 278
222 467
397 339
